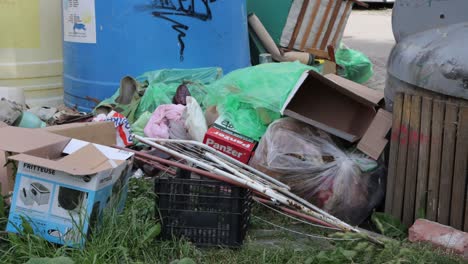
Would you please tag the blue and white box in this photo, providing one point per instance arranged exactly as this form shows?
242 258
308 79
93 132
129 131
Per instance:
61 189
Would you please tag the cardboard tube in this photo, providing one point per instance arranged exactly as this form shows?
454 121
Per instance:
271 47
265 37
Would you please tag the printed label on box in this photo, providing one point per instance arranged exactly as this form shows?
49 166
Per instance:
225 125
229 144
79 21
61 207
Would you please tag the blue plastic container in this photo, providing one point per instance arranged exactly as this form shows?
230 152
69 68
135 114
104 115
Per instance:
135 36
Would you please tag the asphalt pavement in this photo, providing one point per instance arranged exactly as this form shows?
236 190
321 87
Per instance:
370 31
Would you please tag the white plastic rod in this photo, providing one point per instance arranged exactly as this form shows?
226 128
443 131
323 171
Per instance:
275 196
283 188
224 156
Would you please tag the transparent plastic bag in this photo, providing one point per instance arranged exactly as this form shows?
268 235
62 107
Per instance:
195 121
347 185
357 66
252 98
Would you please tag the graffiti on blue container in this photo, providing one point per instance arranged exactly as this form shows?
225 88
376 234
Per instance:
79 26
169 10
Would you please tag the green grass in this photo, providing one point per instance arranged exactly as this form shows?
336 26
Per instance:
130 238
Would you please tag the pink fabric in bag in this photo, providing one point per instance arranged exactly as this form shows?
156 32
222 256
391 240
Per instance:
158 125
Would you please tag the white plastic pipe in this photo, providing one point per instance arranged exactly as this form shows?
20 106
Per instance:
256 186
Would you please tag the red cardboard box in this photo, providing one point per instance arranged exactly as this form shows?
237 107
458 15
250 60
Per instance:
229 144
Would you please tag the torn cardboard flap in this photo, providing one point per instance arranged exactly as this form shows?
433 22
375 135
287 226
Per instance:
102 133
86 161
354 90
20 140
44 149
110 153
340 107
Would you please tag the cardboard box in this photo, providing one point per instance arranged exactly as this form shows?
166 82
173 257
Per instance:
229 144
102 133
342 108
62 185
11 137
6 170
223 124
225 138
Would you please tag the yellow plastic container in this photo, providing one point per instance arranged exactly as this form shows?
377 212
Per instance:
31 49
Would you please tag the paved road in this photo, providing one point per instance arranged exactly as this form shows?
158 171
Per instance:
370 31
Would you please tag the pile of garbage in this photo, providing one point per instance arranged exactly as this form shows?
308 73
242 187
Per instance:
258 116
296 132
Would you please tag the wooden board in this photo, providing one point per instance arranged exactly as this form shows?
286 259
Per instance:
423 161
310 24
341 24
457 208
300 19
448 156
331 24
412 161
465 228
315 24
401 161
321 54
438 113
428 161
393 156
322 24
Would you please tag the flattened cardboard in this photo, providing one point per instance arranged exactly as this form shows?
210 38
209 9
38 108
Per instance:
102 133
338 106
5 170
20 140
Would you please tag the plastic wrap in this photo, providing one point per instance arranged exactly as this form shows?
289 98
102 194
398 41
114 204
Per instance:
357 66
252 98
163 85
347 185
195 121
156 88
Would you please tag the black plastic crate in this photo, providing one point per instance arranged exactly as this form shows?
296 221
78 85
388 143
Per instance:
205 212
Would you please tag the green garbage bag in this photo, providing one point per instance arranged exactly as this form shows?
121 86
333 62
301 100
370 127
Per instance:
252 98
126 99
139 125
357 66
155 88
163 85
